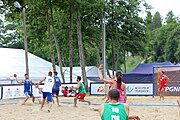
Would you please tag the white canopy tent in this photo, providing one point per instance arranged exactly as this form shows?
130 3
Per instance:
13 62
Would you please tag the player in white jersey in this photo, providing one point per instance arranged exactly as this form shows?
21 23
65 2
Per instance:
47 90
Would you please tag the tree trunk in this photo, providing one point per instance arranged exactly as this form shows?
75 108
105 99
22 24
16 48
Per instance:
81 50
124 61
113 56
98 56
57 48
116 49
51 43
71 43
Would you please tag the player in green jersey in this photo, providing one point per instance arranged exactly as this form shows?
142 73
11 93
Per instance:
115 110
82 92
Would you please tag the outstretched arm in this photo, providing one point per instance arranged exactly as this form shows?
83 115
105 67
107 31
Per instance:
32 83
20 82
41 81
101 76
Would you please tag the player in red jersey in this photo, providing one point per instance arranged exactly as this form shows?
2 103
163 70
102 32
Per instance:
162 81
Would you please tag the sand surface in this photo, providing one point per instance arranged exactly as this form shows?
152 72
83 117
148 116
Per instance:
31 111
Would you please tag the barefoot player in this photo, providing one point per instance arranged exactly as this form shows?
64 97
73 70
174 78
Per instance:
115 110
47 90
82 92
162 81
27 86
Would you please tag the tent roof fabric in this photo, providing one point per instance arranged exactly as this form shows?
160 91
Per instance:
143 72
148 68
13 62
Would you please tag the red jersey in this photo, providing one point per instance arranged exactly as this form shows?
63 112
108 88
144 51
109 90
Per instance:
162 80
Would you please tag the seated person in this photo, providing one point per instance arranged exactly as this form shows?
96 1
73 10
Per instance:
115 110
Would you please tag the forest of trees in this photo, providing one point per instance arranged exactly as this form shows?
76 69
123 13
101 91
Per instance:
69 32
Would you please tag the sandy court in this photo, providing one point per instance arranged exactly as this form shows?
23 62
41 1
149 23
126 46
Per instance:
31 111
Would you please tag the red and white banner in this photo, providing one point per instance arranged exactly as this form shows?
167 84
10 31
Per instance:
98 88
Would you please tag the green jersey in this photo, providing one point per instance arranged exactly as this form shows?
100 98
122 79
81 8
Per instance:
114 112
82 89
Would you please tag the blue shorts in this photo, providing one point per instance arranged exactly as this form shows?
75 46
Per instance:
29 93
47 95
55 91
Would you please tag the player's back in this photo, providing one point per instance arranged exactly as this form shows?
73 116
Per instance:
57 82
114 112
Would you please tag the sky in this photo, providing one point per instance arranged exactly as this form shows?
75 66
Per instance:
163 6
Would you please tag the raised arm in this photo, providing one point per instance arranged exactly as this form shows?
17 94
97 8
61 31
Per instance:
167 79
158 81
101 76
18 81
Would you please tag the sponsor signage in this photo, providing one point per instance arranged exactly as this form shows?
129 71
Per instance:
131 89
98 88
139 89
172 89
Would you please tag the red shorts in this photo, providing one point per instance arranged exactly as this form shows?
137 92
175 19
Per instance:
81 96
162 87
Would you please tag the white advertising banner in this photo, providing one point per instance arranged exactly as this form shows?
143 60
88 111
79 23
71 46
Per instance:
131 89
13 92
99 89
139 89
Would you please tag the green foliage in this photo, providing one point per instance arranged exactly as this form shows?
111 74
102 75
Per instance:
161 38
172 43
125 30
170 18
157 21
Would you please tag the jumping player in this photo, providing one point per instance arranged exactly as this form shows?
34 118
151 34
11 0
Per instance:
27 85
115 110
82 92
162 81
57 84
119 85
47 90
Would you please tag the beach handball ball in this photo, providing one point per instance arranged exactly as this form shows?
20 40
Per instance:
15 75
